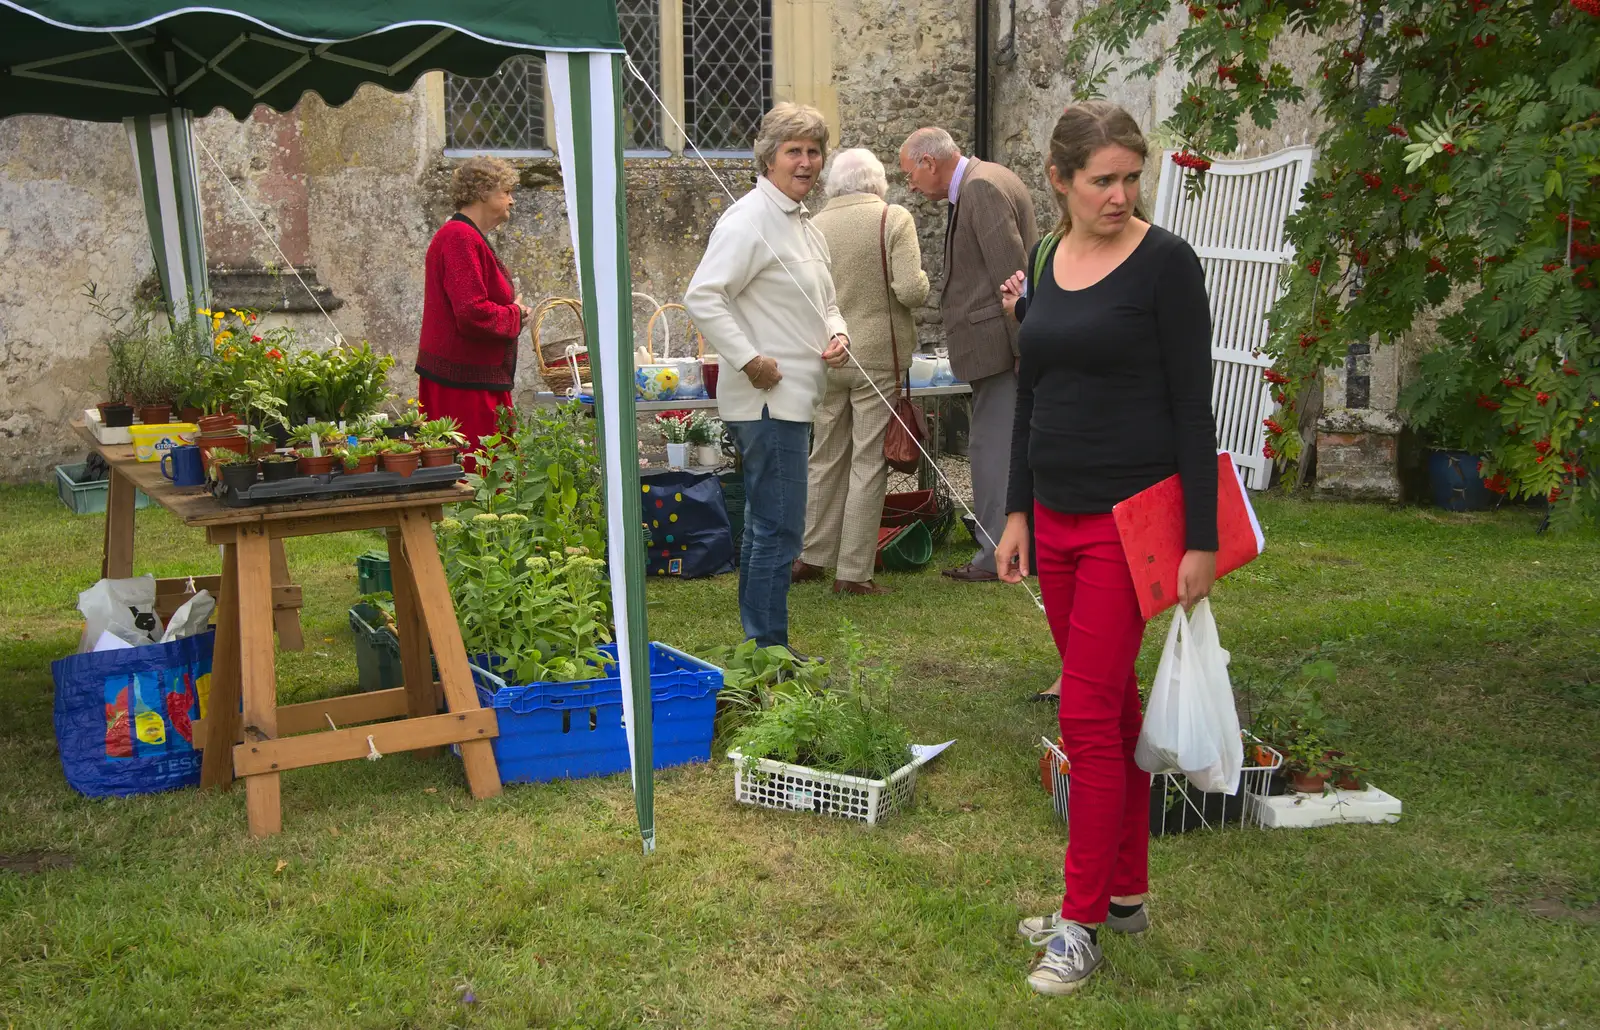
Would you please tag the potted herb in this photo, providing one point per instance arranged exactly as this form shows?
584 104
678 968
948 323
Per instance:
441 440
157 374
1308 764
359 459
125 331
400 457
675 430
404 424
315 442
705 434
237 472
279 465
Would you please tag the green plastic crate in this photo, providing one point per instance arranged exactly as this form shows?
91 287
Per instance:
372 573
377 650
90 497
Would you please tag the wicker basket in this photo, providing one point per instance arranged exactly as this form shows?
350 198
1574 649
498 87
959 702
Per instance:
555 368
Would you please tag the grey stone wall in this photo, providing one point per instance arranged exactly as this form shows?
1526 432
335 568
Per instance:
355 193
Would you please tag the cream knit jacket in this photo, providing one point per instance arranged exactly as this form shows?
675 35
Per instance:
853 225
745 304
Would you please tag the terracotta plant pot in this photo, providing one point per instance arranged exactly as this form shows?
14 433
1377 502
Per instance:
1347 781
1306 783
433 457
311 465
363 466
155 414
404 464
274 471
190 414
114 416
224 442
216 423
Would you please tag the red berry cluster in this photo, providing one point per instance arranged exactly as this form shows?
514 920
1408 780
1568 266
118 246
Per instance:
1585 250
1435 265
1396 129
1512 384
1315 268
1568 369
1196 12
1542 397
1579 224
1542 446
1551 266
1449 148
1496 483
1306 340
1356 57
1273 426
1400 191
1227 73
1487 403
1483 41
1360 257
1272 375
1589 7
1411 31
1527 331
1188 160
1372 179
1269 452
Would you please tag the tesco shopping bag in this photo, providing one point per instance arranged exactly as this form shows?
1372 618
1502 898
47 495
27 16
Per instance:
125 718
1190 725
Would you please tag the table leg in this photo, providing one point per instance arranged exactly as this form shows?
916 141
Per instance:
422 696
439 616
286 620
222 703
118 560
257 672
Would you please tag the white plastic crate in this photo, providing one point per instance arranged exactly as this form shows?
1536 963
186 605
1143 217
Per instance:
103 433
798 788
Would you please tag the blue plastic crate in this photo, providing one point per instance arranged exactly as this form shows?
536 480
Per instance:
555 731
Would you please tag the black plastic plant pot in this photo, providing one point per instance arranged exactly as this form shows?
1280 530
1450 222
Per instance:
395 432
117 416
239 478
273 471
279 433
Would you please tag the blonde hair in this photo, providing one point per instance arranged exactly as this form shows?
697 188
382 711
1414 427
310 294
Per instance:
477 178
787 122
1082 131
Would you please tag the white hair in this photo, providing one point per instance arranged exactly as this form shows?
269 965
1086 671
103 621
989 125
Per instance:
931 142
856 170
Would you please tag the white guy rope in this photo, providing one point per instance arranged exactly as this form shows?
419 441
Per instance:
821 315
338 337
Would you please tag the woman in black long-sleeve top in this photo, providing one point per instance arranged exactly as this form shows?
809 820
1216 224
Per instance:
1113 395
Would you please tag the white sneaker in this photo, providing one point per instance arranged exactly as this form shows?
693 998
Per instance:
1070 955
1139 922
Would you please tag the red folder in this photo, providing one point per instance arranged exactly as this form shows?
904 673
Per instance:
1151 525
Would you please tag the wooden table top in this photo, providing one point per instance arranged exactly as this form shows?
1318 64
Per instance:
196 507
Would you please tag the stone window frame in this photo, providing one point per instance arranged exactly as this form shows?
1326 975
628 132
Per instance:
802 72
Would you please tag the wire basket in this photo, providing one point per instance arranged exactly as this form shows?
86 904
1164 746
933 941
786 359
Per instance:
797 788
1177 807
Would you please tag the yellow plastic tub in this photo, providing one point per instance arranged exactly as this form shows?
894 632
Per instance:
151 442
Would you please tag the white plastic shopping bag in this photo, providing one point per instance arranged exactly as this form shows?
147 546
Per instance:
1190 725
126 608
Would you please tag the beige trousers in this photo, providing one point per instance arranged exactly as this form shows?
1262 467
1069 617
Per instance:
847 475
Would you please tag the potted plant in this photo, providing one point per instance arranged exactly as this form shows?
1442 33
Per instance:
359 459
279 465
441 440
675 430
156 376
400 457
126 329
315 442
1308 764
403 425
236 472
705 433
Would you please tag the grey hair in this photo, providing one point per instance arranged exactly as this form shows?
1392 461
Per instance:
931 142
856 170
787 122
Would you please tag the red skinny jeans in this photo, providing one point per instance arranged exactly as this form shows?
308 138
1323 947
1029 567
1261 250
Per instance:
1094 616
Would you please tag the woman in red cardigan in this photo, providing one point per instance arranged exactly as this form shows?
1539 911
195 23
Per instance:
471 315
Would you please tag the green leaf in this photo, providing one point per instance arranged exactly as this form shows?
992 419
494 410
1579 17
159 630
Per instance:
1552 184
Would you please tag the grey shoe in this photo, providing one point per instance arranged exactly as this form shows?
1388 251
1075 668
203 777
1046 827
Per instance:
1070 956
1139 922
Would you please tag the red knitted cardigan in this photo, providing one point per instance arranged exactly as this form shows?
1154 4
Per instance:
469 323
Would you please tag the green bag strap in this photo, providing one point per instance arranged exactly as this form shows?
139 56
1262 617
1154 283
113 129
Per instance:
1042 253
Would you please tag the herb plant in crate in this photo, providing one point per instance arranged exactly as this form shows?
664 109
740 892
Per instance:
836 751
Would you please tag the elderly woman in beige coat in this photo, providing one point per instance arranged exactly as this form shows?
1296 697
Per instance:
847 473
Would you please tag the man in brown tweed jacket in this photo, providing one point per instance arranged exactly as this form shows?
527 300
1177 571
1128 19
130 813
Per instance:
990 231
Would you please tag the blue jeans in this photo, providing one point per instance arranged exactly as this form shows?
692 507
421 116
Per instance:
775 454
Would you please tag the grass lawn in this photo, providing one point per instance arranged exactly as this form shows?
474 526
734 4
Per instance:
1467 649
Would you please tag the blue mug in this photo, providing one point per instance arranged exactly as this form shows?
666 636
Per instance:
182 465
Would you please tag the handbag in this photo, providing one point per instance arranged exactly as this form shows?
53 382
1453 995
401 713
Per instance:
902 442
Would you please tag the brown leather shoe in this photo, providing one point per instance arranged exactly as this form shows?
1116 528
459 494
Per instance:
804 572
844 586
970 573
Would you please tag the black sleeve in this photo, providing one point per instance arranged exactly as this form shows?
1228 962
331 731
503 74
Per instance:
1019 488
1183 318
1021 310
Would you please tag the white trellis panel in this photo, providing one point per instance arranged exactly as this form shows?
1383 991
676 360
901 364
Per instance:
1236 228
